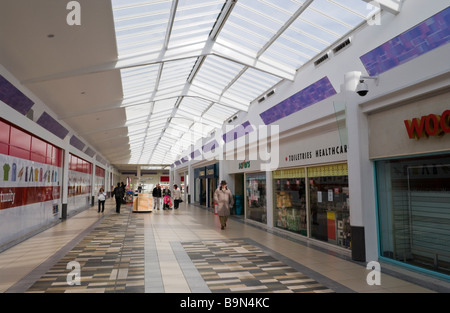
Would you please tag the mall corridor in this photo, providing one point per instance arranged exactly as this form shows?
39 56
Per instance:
178 251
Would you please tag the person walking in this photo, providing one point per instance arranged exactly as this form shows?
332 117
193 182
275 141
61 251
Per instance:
176 197
224 199
101 200
156 196
118 195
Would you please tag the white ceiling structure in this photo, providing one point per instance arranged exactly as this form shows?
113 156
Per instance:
142 80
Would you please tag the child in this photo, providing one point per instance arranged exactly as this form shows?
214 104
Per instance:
167 202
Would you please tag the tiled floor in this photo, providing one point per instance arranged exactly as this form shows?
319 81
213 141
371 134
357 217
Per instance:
176 251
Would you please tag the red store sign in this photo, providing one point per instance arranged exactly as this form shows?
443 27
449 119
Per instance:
429 125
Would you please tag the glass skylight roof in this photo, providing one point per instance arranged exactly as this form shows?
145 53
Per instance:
187 66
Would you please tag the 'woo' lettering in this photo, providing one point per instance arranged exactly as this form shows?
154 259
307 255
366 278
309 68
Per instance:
429 125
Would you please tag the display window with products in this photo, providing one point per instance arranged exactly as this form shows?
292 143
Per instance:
413 199
290 200
256 197
329 204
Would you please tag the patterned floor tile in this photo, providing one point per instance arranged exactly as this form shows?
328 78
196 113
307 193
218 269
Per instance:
239 266
111 259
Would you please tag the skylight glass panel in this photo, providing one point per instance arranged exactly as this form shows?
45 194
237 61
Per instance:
138 112
338 12
194 21
359 7
164 105
325 22
219 112
140 25
217 72
251 84
139 80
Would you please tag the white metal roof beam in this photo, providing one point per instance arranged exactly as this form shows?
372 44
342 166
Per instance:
181 53
286 25
272 68
391 6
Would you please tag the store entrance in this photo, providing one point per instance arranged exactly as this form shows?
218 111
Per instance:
212 188
203 191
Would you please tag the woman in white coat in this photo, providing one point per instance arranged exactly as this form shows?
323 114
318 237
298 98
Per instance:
224 199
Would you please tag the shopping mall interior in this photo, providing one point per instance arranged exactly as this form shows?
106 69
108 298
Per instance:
326 121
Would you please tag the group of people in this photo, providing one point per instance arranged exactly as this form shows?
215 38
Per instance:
159 193
222 196
118 193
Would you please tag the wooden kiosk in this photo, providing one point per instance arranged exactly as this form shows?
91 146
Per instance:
143 203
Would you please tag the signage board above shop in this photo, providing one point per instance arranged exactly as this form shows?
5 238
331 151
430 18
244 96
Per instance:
321 148
418 127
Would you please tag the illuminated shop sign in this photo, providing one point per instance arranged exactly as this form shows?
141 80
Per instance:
428 125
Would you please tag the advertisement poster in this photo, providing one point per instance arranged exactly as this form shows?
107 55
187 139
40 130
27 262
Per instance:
24 182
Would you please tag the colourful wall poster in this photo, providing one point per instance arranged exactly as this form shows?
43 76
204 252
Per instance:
24 182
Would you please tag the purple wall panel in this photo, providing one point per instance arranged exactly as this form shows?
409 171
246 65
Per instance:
312 94
237 132
50 124
77 143
89 152
210 146
195 154
13 97
419 40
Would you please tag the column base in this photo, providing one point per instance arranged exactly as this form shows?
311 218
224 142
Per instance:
358 244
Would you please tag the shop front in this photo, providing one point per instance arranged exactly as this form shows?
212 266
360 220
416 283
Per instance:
318 209
256 204
410 147
310 189
205 183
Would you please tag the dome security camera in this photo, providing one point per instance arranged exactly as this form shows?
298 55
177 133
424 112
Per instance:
362 89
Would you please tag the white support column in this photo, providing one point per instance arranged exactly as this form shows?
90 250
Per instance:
360 175
269 199
94 183
65 184
190 185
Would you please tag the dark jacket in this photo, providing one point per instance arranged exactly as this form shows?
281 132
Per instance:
157 192
118 192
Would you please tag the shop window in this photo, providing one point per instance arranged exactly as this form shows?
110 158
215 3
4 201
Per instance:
290 200
329 204
4 132
256 197
413 197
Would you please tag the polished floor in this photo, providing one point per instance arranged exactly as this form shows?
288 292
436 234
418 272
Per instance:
178 251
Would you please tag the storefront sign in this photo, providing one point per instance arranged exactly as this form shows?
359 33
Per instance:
428 126
318 153
244 164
